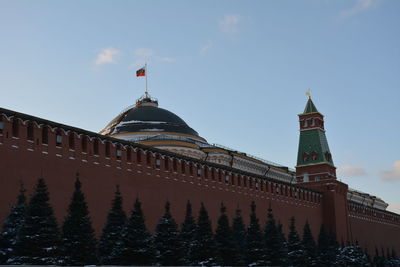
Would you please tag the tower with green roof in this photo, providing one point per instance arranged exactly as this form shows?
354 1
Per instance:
314 159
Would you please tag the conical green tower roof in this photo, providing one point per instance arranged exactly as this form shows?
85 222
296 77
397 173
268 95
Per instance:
310 107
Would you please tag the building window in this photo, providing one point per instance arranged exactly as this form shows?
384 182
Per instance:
108 148
198 170
328 156
158 162
233 179
15 127
84 143
30 131
1 125
139 156
71 141
206 172
45 135
96 146
174 164
238 181
183 164
58 138
219 175
128 154
245 181
191 169
226 178
118 152
305 123
213 173
305 156
148 158
166 163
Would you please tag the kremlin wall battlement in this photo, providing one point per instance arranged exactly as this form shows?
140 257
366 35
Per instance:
32 147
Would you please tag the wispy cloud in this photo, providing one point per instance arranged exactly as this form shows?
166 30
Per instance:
360 6
392 174
351 171
394 208
107 56
206 47
143 55
230 24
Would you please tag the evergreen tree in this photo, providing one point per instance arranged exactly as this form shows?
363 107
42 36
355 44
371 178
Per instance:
327 247
188 231
254 245
136 244
227 247
275 249
116 220
295 247
239 236
167 241
38 240
204 250
352 256
78 235
309 246
11 225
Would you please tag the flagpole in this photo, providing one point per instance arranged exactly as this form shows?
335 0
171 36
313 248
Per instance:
146 73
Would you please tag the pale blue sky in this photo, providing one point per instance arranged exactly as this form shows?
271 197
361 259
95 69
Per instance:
235 71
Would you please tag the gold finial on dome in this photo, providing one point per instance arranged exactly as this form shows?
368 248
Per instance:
308 92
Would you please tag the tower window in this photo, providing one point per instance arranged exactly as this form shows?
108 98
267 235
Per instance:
305 156
226 178
183 164
238 181
191 169
84 143
58 138
30 131
305 123
96 146
328 156
198 170
314 155
206 172
213 173
139 156
148 158
45 135
15 127
71 140
1 125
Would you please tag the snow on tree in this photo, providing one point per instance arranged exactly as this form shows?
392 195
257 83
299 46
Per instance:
11 226
275 247
111 234
204 250
167 241
254 245
351 256
239 236
309 246
78 238
227 247
136 245
188 231
38 240
294 245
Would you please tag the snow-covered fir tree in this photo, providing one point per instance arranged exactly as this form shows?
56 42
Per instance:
11 225
111 234
38 240
227 247
351 256
275 247
309 246
254 245
168 241
204 250
78 238
136 245
188 232
239 236
327 249
294 245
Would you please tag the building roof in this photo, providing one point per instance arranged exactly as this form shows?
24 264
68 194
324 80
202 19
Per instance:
146 116
310 107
